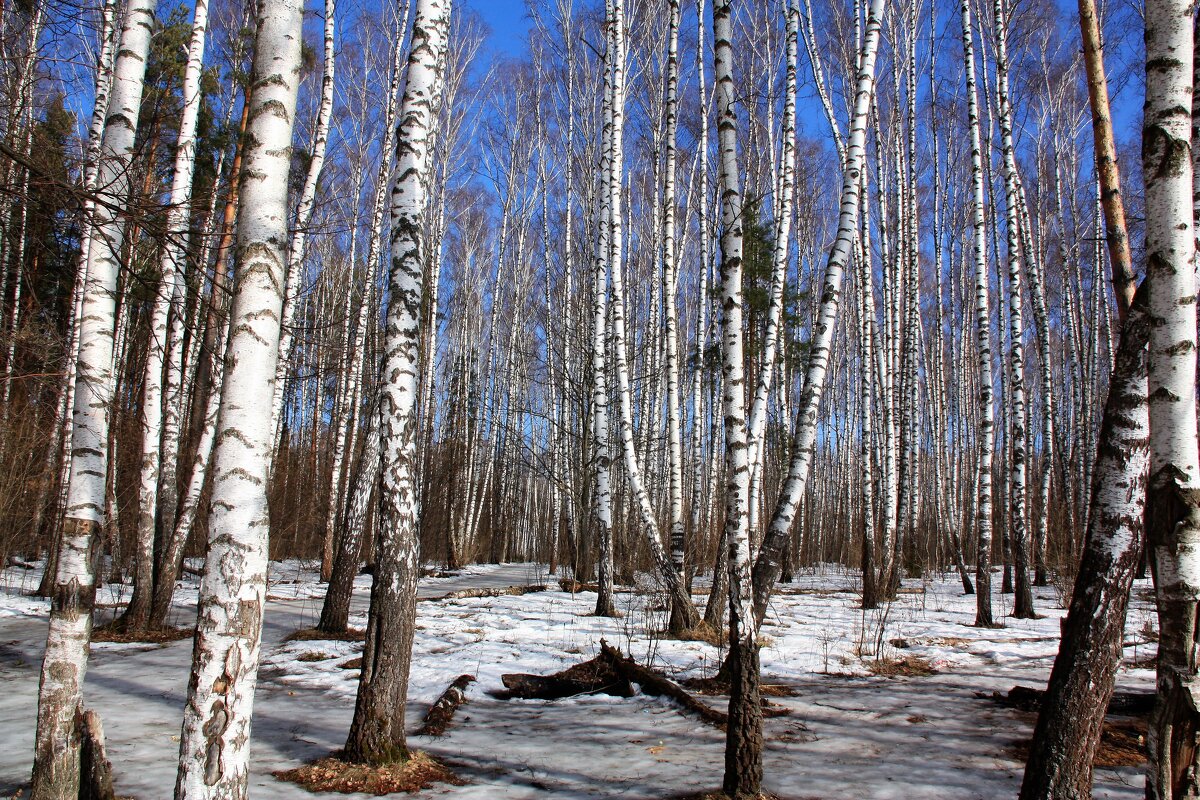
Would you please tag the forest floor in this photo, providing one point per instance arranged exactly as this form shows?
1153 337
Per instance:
884 704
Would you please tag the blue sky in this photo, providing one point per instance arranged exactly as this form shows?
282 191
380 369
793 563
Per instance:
507 20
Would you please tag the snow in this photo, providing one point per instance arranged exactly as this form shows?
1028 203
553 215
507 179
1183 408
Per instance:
848 730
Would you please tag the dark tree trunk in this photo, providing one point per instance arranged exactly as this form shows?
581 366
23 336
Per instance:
165 576
377 730
1068 729
717 609
335 611
1006 583
95 778
870 592
743 736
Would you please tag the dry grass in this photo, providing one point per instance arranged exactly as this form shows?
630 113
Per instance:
314 635
111 633
715 687
930 641
703 633
314 655
904 667
1122 744
420 771
354 663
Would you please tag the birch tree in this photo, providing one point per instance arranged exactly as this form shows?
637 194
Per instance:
983 341
769 562
56 762
601 458
1173 494
377 731
743 739
214 755
304 212
1017 522
160 443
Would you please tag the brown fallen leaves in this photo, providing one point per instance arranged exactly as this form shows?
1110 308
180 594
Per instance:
334 775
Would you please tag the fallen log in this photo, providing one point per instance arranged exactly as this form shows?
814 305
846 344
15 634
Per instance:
595 676
437 719
572 586
656 684
1027 698
613 673
464 594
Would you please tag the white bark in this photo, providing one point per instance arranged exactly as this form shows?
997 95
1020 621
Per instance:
1019 439
768 563
377 731
986 435
56 754
167 302
214 744
304 213
670 287
601 458
783 230
1173 498
357 357
737 467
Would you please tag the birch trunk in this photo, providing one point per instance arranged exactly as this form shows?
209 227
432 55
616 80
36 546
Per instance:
769 562
57 743
214 755
783 229
683 615
1068 730
986 435
744 736
304 213
357 357
377 731
670 288
1019 531
167 301
601 458
1173 496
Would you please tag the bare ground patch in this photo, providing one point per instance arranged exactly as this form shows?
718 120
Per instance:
314 635
903 667
112 633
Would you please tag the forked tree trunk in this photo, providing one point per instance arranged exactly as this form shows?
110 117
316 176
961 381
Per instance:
214 755
335 611
769 562
304 213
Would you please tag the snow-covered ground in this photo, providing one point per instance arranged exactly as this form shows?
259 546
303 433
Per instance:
849 733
